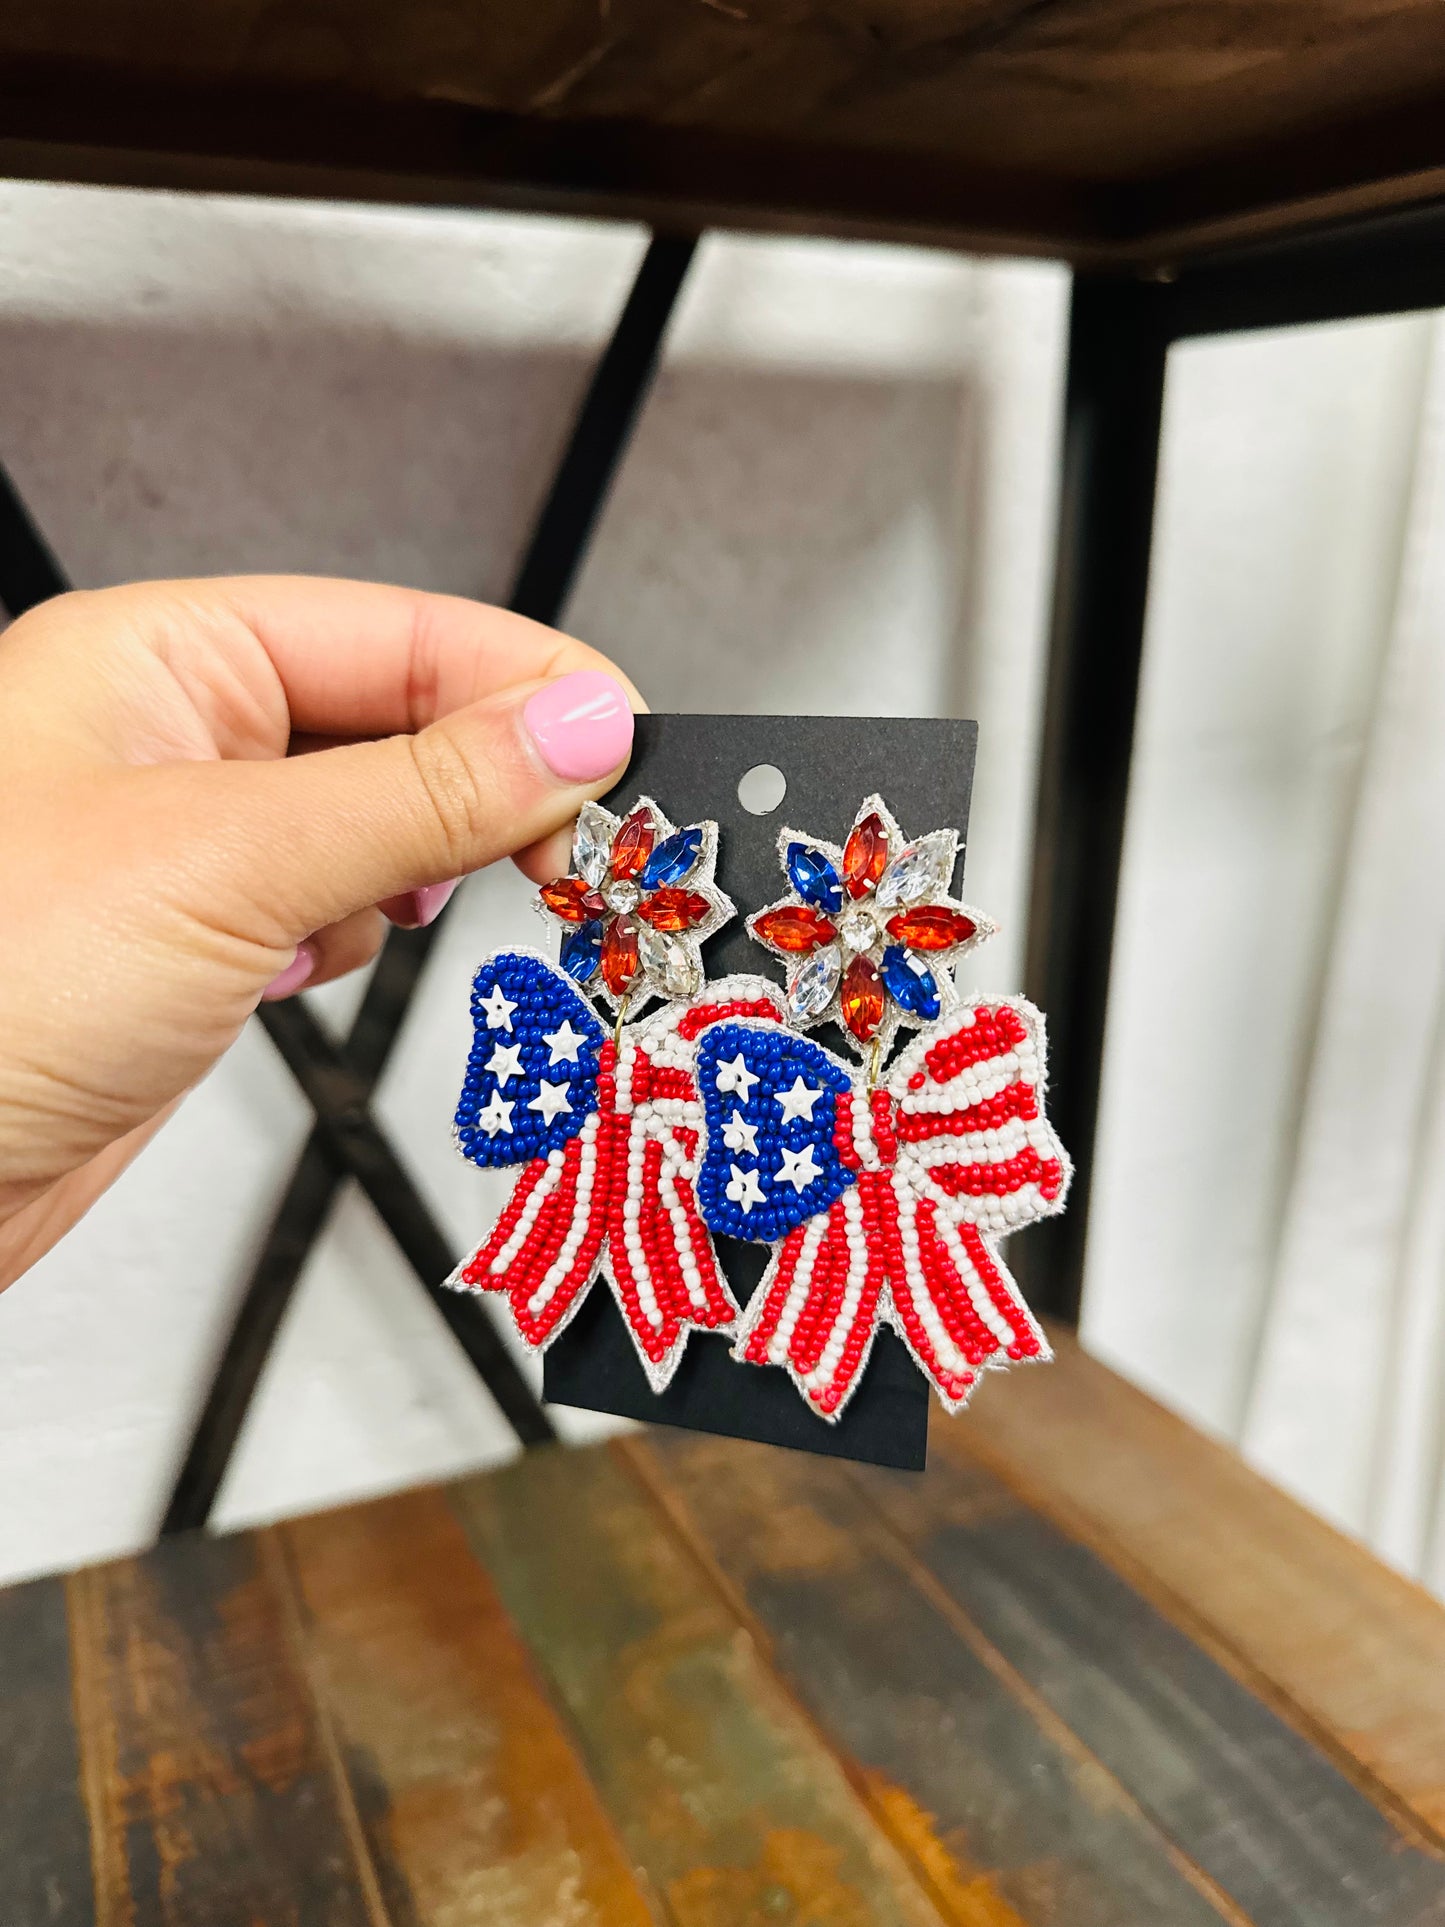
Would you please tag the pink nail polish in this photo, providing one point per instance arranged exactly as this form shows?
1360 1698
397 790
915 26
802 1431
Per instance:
418 908
293 976
581 724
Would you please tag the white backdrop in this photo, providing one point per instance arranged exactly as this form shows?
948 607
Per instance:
840 498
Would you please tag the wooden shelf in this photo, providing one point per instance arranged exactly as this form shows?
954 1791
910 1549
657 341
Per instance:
1086 1669
1123 131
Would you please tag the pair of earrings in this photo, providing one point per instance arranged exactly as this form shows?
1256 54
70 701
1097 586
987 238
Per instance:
881 1188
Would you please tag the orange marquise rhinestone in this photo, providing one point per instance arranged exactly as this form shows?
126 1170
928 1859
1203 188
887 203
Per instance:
573 899
861 998
795 928
619 954
931 926
632 845
673 910
865 855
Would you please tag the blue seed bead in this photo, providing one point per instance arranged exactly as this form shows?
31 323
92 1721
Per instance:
673 859
814 878
582 952
909 983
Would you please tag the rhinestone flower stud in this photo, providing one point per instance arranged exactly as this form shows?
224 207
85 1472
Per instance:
640 901
869 932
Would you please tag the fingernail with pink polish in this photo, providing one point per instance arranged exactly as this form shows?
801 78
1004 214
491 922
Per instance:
581 724
293 976
418 908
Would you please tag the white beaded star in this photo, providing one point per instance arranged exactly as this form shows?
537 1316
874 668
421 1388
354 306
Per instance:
551 1099
735 1076
497 1116
798 1100
499 1010
505 1063
744 1188
739 1135
798 1168
564 1043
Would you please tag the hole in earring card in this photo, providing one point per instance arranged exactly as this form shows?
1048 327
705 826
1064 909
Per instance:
762 788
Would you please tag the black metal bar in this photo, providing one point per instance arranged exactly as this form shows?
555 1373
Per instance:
299 1218
559 541
29 572
340 1099
1388 263
1117 347
603 428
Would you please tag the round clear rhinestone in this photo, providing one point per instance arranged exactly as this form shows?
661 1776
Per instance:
621 894
857 928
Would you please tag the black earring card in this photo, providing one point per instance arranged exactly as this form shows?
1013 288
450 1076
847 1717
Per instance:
691 766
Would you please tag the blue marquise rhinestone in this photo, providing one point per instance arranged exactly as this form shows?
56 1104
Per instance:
909 983
814 878
673 859
582 952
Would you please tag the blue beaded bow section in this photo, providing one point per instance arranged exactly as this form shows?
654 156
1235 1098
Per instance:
607 1132
882 1205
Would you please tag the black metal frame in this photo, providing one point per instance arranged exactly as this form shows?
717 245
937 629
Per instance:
1121 329
346 1140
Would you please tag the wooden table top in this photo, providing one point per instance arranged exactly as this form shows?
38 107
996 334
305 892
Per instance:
1085 1671
1104 130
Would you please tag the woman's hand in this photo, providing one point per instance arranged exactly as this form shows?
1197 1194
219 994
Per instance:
168 858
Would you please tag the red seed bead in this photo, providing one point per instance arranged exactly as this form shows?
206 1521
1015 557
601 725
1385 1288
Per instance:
698 1020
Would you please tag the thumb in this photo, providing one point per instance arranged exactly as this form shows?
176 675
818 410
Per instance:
315 838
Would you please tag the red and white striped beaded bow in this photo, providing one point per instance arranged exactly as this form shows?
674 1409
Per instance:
618 1199
949 1154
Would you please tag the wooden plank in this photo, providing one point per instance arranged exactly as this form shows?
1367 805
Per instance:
44 1841
1269 1816
475 1804
1010 1821
1087 125
208 1788
721 1790
1355 1649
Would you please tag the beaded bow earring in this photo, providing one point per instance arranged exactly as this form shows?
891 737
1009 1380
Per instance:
605 1120
882 1194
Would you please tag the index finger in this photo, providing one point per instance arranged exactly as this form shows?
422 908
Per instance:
374 659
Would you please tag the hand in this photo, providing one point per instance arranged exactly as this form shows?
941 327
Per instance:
169 856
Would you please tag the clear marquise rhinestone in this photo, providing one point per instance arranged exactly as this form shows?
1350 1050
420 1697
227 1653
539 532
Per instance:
668 963
592 843
922 870
811 987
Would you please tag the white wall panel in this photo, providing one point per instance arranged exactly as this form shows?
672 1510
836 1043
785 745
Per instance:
840 499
